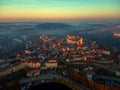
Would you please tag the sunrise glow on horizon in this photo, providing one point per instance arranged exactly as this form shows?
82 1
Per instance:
59 9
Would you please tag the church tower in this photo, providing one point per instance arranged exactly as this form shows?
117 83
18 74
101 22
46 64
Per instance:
80 42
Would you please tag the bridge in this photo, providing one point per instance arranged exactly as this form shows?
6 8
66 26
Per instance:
47 78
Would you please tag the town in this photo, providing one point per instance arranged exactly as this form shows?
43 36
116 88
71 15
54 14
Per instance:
82 60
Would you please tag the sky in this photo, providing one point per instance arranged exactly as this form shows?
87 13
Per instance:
59 9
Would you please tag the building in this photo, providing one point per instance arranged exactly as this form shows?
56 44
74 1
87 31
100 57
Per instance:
106 52
80 42
52 64
34 72
117 72
5 71
74 40
27 51
89 76
117 34
18 66
77 58
32 64
8 69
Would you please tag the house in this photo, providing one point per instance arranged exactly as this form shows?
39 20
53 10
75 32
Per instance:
32 64
77 58
34 72
5 71
106 52
52 64
18 66
117 72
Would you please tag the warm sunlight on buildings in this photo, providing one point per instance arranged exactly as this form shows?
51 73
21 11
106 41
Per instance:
74 40
117 34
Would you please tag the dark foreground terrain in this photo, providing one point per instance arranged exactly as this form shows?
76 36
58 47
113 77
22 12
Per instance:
50 86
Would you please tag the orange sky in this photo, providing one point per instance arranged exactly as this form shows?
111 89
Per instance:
59 9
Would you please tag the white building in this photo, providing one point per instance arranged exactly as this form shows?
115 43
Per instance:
106 52
89 76
117 72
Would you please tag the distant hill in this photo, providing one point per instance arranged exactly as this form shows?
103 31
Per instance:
53 26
